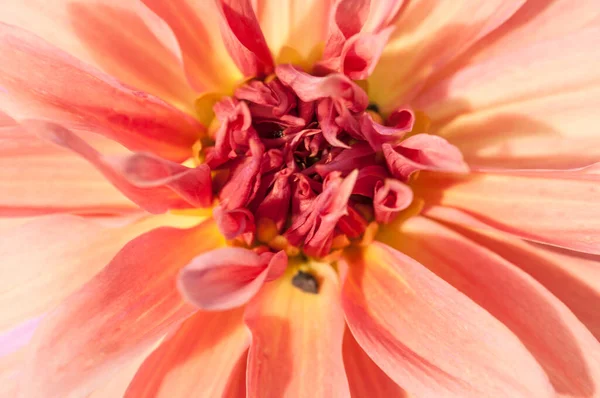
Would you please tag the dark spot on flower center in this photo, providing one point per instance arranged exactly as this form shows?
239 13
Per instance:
277 134
373 107
305 282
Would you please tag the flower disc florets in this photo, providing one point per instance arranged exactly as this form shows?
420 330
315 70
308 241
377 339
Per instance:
299 163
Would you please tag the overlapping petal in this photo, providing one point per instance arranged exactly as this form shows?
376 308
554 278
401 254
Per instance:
561 344
124 39
429 35
428 337
84 98
116 315
553 207
155 184
572 277
196 360
521 108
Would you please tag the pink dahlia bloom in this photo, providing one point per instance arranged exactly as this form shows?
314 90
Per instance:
314 198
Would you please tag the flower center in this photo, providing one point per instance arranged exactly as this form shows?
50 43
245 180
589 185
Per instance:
303 164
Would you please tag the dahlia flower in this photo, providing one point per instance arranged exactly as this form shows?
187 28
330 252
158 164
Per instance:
270 198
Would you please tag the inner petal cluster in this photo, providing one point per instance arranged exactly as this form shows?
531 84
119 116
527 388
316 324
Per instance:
304 164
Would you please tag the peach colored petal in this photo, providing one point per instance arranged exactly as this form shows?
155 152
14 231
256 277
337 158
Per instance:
296 345
556 208
531 71
38 177
300 25
364 376
73 248
32 185
553 131
197 360
571 276
536 21
115 316
429 35
155 184
227 278
9 373
561 344
208 67
428 337
118 383
520 107
83 98
124 39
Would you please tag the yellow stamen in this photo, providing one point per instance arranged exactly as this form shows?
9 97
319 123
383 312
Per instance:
266 230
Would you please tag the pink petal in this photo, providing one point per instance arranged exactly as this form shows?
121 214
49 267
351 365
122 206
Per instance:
229 277
561 344
572 277
297 339
542 206
196 360
429 338
532 113
117 37
422 152
244 39
390 197
429 36
362 52
335 86
364 376
155 184
208 67
376 134
119 313
83 98
315 226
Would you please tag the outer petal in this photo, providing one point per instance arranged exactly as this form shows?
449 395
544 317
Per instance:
429 35
118 384
572 277
229 277
429 338
196 26
244 39
297 339
126 307
556 208
531 113
74 249
38 177
561 344
124 39
155 184
83 98
195 361
364 376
